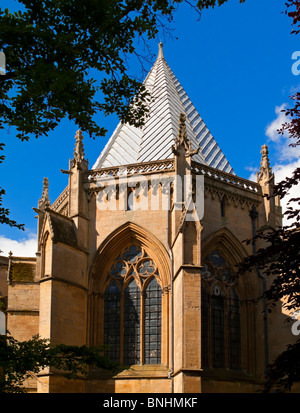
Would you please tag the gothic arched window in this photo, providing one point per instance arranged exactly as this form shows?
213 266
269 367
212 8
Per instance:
132 309
221 340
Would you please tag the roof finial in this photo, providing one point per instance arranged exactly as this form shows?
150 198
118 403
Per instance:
182 134
160 51
79 160
182 139
44 201
78 152
265 169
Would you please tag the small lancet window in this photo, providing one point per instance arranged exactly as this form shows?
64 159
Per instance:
222 206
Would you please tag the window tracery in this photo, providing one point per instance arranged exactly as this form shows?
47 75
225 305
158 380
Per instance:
133 263
132 308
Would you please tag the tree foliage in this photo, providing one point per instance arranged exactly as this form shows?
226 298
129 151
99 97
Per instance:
53 50
56 51
54 47
20 360
294 12
4 212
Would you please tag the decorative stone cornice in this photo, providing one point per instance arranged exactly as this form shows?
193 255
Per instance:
146 168
235 190
241 200
224 177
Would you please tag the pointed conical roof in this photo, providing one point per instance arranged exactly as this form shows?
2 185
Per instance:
154 140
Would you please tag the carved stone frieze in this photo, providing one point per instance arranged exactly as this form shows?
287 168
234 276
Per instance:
235 199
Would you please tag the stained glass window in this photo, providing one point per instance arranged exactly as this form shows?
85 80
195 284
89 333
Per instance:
204 325
217 327
234 336
132 308
153 323
221 341
112 300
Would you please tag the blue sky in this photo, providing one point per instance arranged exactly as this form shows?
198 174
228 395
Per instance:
234 63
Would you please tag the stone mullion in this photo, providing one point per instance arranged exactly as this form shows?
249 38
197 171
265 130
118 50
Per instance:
244 307
122 328
209 327
165 325
99 307
226 331
248 344
142 328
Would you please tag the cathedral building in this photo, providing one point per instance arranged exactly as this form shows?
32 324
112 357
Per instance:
139 253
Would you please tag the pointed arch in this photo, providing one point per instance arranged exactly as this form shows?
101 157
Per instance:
225 241
234 252
127 234
228 330
131 314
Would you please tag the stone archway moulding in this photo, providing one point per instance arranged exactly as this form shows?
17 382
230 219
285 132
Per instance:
234 252
110 248
227 242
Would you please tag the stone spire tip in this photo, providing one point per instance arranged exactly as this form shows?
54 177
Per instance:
44 201
78 151
265 168
160 50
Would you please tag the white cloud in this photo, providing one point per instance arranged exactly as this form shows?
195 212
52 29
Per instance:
282 171
272 128
295 89
252 177
25 247
288 157
287 153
